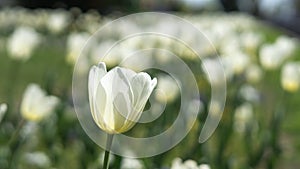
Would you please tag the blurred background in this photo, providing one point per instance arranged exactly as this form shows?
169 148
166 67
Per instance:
284 13
258 41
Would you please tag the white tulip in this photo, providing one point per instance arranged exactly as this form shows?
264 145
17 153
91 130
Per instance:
253 73
39 159
239 61
58 21
188 164
75 43
249 93
168 89
118 97
131 163
204 166
99 50
36 105
286 45
213 70
251 40
290 76
242 117
110 52
3 109
235 64
177 164
22 42
273 55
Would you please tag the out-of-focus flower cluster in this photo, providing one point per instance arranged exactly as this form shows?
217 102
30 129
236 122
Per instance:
41 46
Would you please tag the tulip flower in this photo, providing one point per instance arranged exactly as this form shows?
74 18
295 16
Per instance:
118 97
58 21
22 43
3 109
75 44
131 163
242 117
290 76
36 105
169 88
177 163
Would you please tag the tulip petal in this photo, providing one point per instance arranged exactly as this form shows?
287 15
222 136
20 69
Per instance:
142 89
95 75
115 83
120 108
103 106
123 80
145 94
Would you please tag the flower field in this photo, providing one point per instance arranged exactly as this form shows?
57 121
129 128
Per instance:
39 128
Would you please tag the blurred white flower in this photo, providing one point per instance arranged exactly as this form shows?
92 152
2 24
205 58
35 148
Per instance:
251 41
36 105
249 93
236 63
75 44
188 164
101 49
132 60
213 70
22 42
111 53
38 159
285 45
58 21
204 166
290 76
131 163
229 45
273 55
183 46
242 117
89 21
168 89
240 62
269 57
253 73
118 97
3 109
195 106
177 164
126 28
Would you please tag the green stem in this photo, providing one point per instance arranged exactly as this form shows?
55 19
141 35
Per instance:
108 146
16 133
13 142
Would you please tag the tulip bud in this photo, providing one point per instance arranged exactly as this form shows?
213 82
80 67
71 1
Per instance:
36 105
290 77
118 97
